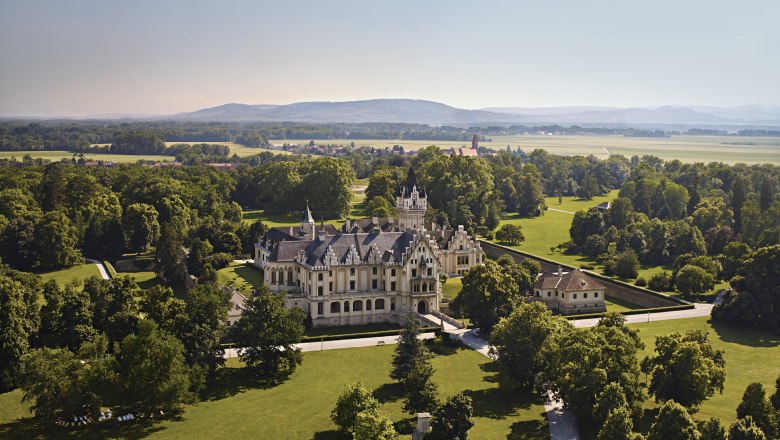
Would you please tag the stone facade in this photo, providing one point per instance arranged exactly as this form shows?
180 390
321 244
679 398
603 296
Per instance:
369 271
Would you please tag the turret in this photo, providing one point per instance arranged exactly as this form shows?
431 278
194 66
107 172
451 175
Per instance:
411 204
307 223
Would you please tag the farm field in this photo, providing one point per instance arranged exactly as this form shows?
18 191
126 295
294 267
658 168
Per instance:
59 155
727 149
751 356
300 407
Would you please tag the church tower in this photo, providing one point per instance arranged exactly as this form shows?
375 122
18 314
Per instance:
411 204
307 223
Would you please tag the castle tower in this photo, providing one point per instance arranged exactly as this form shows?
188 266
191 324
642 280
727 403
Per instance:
411 204
307 223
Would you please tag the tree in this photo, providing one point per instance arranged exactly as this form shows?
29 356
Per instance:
353 400
57 241
746 429
584 361
62 385
693 279
419 390
511 234
267 333
373 425
738 198
488 294
152 368
711 429
170 254
686 368
379 207
775 399
204 326
767 193
661 282
199 253
410 350
756 405
619 213
617 425
19 321
585 224
452 420
517 341
140 223
610 399
627 264
673 422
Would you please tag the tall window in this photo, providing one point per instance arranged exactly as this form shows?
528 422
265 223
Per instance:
373 284
392 286
392 272
319 308
335 307
319 276
379 304
319 291
351 271
351 285
346 306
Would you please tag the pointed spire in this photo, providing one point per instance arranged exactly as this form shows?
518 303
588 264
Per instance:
307 217
411 180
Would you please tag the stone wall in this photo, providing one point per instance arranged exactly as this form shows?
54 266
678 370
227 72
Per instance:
617 290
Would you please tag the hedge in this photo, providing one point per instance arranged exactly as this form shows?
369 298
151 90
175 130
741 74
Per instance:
110 269
634 312
393 332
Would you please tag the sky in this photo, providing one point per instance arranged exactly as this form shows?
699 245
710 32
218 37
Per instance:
77 58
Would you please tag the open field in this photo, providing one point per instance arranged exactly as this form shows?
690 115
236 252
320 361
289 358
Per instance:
59 155
237 149
236 405
751 356
728 149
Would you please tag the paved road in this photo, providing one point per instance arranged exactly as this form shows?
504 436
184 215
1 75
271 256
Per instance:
101 268
699 310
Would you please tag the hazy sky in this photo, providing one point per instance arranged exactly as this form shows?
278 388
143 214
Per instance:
93 57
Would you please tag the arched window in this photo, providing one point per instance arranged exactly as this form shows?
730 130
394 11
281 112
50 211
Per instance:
357 306
368 304
346 306
335 307
289 276
379 304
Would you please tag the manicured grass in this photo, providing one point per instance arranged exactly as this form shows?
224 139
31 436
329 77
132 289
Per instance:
240 276
350 329
452 287
239 407
751 356
78 272
618 305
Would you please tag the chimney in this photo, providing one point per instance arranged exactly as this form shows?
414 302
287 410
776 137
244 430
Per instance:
292 230
391 220
375 220
348 225
423 426
560 271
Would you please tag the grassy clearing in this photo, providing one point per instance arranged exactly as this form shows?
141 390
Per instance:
240 276
751 356
78 273
357 210
300 407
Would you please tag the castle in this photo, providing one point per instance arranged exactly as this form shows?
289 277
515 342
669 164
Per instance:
368 271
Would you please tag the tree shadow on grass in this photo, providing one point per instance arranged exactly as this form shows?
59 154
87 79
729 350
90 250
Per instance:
406 426
228 382
530 429
30 428
331 435
389 392
500 403
744 336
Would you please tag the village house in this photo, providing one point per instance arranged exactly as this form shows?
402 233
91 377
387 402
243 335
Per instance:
370 270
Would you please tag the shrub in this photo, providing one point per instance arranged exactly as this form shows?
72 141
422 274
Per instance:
627 264
587 266
641 281
220 260
660 282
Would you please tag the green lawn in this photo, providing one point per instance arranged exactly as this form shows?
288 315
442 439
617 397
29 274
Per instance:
58 155
751 356
64 276
452 287
300 407
240 276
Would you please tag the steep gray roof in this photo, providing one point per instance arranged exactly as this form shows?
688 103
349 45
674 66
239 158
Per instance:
389 245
